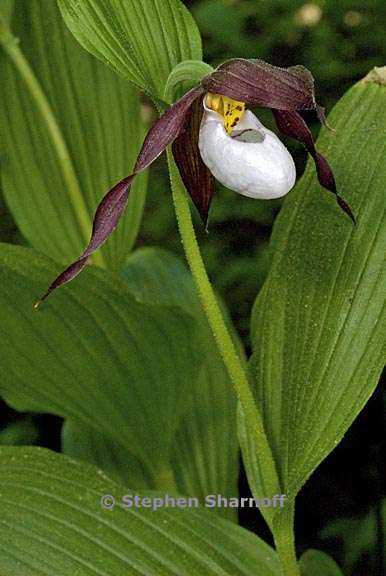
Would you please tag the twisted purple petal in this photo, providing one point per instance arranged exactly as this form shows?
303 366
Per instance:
293 125
110 209
260 84
196 176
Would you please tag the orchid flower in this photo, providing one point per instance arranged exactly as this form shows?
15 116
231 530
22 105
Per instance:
213 137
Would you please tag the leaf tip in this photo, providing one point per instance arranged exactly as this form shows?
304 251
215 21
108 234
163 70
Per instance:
376 76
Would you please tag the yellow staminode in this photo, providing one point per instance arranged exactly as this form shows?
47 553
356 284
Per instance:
231 110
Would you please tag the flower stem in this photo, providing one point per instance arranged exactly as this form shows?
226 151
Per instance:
224 341
284 540
12 49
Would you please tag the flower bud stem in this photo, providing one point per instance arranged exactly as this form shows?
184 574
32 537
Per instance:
283 529
224 341
283 533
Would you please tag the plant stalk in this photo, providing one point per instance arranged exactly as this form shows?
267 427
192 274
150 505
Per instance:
283 532
223 339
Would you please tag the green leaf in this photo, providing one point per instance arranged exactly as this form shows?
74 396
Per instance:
156 276
6 9
94 355
86 443
316 563
52 522
319 323
142 41
21 431
70 129
185 76
200 463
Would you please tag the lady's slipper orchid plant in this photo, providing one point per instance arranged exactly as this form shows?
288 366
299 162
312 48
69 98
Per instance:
214 137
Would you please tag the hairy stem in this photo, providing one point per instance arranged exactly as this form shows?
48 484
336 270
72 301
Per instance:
285 541
12 49
224 341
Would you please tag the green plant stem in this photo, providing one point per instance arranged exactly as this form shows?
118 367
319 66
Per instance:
283 527
224 341
11 47
283 532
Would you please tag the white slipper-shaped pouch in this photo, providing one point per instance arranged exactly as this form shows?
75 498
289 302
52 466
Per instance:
251 160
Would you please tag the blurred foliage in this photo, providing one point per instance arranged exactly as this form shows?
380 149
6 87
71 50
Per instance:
338 41
21 431
358 537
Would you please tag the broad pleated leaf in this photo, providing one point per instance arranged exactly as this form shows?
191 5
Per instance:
86 443
53 196
205 448
6 8
319 323
142 41
52 523
95 355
